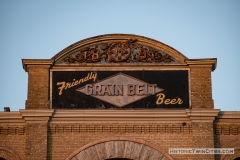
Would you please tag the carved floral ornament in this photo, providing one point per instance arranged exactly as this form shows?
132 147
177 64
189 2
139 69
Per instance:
117 52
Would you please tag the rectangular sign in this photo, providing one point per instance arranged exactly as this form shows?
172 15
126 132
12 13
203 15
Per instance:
120 89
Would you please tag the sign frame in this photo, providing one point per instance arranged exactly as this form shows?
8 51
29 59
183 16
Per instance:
119 68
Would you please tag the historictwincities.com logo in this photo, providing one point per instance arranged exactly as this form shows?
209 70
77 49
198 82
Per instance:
201 151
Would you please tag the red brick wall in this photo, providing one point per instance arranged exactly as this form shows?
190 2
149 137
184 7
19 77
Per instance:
67 138
13 137
226 136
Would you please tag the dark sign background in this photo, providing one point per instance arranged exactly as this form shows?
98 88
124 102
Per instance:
174 83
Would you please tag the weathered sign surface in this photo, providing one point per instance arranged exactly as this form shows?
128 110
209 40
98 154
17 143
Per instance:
120 89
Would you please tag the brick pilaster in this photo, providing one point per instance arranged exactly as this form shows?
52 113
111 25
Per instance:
36 133
202 130
36 141
38 83
202 133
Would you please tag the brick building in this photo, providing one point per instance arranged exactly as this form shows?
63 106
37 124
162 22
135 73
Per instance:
118 96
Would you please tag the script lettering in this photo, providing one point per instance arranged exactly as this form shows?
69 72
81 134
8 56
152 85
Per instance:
66 85
161 100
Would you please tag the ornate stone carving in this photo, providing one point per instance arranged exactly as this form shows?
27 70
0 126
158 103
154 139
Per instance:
117 52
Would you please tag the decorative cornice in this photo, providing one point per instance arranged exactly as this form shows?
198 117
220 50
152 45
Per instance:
36 115
123 52
110 41
229 114
228 117
36 63
10 118
119 49
202 115
119 116
211 62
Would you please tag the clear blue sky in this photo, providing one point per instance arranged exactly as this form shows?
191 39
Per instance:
34 29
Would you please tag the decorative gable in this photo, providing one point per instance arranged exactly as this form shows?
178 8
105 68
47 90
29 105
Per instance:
121 48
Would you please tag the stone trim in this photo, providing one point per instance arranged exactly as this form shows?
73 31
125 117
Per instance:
202 115
229 114
12 156
43 63
161 115
105 148
117 67
210 62
228 117
38 115
11 118
120 116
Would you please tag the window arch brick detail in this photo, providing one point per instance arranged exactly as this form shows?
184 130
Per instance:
8 153
119 147
232 156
